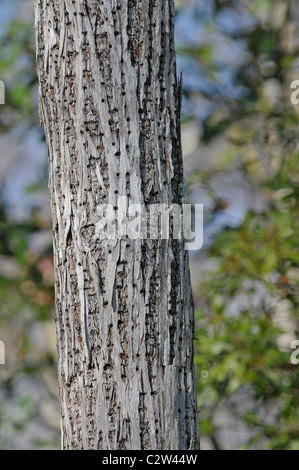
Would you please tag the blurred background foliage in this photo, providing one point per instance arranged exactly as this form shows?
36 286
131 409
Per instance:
241 151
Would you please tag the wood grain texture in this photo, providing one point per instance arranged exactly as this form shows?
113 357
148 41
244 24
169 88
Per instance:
110 101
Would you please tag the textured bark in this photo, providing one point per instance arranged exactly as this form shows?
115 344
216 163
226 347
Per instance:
110 102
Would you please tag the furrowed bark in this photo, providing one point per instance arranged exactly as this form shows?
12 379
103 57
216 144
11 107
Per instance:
110 101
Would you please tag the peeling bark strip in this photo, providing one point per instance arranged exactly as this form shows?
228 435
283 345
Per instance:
111 108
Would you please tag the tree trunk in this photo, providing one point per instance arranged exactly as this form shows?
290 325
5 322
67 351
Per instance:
110 102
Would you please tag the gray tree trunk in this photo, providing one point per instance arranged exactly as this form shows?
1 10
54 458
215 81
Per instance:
110 102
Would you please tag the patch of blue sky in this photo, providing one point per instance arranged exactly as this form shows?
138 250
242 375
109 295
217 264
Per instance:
235 20
194 78
7 11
